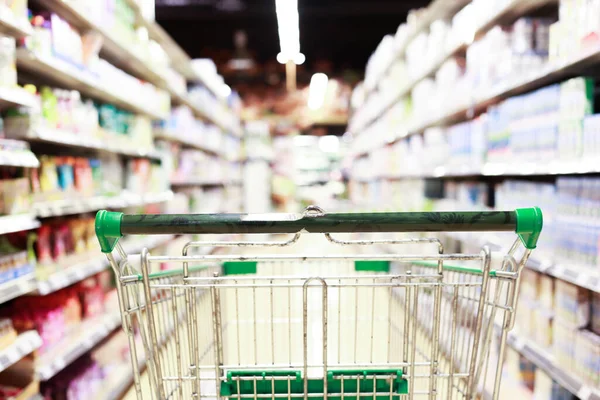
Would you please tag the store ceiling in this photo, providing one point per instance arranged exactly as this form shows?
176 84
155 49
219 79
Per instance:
344 32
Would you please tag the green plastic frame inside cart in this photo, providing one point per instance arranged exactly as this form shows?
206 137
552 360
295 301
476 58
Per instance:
527 223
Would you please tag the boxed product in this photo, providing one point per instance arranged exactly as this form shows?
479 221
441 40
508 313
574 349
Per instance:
15 196
546 292
547 389
542 321
572 304
563 343
587 356
530 284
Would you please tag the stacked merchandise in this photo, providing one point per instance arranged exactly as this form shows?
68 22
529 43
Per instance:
55 41
562 319
553 127
64 114
527 50
471 115
62 312
79 136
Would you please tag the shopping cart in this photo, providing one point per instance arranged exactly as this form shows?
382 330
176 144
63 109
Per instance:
342 324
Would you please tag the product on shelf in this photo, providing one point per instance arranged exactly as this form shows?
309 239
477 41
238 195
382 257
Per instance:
57 314
15 193
63 243
55 40
82 379
64 112
184 127
551 125
14 261
8 67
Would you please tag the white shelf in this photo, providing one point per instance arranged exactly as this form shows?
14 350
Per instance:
73 205
581 167
117 52
510 12
197 110
17 287
439 9
557 372
83 141
25 159
71 77
584 276
97 263
480 101
17 96
11 26
196 144
17 223
197 183
79 341
26 343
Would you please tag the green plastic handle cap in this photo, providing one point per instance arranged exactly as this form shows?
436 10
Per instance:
108 229
529 226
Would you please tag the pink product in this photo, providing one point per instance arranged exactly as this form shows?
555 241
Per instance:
86 385
50 324
82 379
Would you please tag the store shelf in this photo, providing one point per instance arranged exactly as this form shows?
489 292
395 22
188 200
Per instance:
554 168
510 12
17 287
26 343
119 381
17 223
79 341
199 144
14 153
74 205
184 99
82 141
17 97
74 78
543 360
524 83
198 183
585 276
439 9
120 54
12 26
98 262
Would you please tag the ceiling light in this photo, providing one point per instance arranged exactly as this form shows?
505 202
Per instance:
299 59
288 28
317 91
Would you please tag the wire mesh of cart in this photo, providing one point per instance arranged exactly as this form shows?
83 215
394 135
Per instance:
360 319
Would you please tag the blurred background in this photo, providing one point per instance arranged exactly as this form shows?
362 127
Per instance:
213 106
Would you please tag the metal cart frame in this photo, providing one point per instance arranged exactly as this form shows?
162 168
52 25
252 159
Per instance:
430 317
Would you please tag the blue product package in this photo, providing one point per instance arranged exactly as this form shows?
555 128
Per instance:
65 176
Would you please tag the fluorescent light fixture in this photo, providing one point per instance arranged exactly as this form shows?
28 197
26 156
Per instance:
317 91
289 31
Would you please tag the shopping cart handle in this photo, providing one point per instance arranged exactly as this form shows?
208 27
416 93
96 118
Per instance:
110 226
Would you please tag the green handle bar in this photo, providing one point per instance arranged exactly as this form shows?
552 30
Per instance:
526 222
